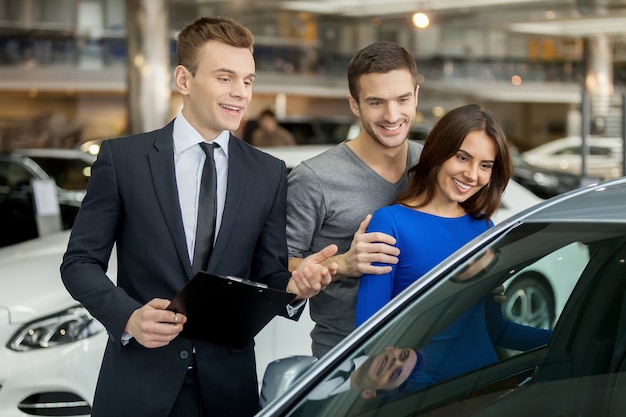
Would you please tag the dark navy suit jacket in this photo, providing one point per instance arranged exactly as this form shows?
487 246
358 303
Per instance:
132 202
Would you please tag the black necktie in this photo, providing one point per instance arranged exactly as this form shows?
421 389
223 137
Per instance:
207 209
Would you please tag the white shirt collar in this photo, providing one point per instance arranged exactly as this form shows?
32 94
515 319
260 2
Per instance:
186 136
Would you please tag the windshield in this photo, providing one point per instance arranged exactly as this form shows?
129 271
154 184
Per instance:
69 174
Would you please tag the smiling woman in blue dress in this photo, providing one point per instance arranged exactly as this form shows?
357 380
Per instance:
454 190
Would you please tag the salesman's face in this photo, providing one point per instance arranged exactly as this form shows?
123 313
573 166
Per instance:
217 96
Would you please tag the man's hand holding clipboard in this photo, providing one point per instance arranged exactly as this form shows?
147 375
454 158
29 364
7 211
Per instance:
231 311
226 310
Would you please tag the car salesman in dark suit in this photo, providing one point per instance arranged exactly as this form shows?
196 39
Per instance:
146 197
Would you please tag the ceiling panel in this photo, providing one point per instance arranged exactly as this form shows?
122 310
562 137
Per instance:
359 8
573 18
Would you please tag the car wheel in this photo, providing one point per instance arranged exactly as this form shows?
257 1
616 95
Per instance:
529 301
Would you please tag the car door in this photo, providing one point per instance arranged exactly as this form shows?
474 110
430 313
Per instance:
578 371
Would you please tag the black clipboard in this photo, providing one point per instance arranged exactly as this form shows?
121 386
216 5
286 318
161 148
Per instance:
227 310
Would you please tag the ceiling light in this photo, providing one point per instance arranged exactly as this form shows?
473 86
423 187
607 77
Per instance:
420 20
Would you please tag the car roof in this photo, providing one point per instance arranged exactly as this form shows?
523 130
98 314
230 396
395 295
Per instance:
596 139
10 156
601 203
55 153
612 142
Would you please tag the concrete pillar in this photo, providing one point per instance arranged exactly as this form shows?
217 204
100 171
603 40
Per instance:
148 67
280 105
599 73
598 64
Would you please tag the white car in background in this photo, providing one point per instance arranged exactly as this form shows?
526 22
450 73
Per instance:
51 348
604 159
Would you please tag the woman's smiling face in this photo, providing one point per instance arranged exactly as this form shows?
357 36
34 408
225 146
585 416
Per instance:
464 174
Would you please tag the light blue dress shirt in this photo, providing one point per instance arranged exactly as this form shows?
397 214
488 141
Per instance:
188 162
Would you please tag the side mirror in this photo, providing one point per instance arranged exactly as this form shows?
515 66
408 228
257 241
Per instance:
281 374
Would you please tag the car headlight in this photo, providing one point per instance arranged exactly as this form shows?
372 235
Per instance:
545 180
67 326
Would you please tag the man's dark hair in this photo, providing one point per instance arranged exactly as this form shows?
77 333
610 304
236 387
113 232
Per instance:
379 57
267 113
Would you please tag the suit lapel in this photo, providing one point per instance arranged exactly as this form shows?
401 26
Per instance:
237 171
164 179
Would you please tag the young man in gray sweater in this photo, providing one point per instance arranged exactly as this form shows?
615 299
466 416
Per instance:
331 197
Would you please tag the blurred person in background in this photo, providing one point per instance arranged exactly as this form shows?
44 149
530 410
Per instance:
270 132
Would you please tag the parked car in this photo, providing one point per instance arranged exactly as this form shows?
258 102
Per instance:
50 347
580 371
70 169
543 182
604 160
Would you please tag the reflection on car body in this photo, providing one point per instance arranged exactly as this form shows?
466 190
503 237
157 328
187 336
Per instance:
581 371
535 296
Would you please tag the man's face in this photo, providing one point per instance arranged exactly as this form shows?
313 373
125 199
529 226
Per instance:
389 369
386 106
217 97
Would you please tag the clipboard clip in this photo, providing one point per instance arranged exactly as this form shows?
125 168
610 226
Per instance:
247 281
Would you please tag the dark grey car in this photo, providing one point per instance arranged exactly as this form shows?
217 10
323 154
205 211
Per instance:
579 371
543 182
